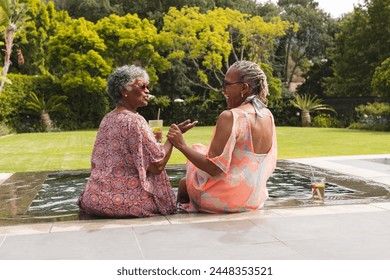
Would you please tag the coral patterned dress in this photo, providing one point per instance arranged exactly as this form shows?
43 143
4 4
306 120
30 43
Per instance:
119 185
242 184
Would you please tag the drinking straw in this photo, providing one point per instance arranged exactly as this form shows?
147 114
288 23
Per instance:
312 171
158 114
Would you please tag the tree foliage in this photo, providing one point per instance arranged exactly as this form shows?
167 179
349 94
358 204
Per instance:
307 39
129 40
75 57
362 44
375 116
187 46
91 10
315 78
12 17
12 99
381 80
33 41
210 42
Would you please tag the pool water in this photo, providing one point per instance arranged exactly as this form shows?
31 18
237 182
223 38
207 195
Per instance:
53 195
286 187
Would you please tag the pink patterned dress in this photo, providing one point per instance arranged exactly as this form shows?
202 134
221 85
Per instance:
242 184
119 185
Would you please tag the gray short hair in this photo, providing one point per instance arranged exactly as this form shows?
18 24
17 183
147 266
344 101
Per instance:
252 74
121 77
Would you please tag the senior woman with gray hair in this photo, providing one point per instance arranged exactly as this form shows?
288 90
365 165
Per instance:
128 178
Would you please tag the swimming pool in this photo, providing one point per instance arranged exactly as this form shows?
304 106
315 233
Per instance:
52 196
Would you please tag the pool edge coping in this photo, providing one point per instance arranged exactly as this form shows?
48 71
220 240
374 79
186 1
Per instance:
181 219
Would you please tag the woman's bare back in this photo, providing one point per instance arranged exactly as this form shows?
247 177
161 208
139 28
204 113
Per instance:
261 129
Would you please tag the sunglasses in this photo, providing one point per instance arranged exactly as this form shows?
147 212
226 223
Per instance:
226 84
142 86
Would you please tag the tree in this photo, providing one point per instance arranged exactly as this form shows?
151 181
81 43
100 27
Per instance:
381 80
350 61
43 108
361 45
307 39
75 58
208 43
94 10
378 30
12 17
130 40
34 40
91 10
308 104
315 78
267 10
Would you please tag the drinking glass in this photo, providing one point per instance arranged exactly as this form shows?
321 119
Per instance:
157 126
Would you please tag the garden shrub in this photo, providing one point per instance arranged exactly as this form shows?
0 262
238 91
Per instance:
322 120
284 113
327 120
373 116
87 100
13 99
4 130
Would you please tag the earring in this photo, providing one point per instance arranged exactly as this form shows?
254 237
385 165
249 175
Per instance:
242 95
125 95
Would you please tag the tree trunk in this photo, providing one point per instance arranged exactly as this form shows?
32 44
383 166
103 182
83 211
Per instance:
45 117
288 48
306 119
9 38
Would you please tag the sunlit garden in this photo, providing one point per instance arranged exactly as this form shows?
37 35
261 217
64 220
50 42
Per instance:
328 77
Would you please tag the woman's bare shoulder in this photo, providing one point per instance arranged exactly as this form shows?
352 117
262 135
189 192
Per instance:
224 120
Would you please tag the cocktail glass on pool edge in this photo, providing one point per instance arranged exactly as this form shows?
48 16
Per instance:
318 188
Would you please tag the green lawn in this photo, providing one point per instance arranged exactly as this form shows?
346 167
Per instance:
72 150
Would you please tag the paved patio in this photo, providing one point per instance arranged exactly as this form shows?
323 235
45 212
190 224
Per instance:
356 232
340 232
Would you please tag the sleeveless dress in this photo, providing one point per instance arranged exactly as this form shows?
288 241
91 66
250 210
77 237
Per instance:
242 184
119 185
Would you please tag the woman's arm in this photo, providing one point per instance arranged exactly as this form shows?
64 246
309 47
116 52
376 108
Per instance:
222 132
157 167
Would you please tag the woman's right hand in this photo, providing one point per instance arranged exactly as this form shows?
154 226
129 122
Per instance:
175 136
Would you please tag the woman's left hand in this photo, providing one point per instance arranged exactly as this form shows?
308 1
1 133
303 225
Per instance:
186 125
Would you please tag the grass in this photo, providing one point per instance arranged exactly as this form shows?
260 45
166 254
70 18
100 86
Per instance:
72 150
297 142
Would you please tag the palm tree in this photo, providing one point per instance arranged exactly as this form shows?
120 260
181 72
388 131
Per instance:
12 16
308 104
36 105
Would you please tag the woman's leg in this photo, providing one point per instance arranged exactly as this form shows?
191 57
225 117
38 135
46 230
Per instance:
182 195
